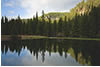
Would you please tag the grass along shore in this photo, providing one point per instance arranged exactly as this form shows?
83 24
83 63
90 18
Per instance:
8 37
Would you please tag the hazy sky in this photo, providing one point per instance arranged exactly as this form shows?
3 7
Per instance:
28 8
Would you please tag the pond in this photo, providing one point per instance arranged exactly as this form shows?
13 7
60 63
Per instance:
50 52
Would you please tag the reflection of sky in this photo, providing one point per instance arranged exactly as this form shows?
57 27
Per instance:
26 58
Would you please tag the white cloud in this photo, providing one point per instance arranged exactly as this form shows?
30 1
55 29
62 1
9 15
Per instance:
32 6
11 12
9 4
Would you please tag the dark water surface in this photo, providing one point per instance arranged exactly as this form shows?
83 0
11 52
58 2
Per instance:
50 52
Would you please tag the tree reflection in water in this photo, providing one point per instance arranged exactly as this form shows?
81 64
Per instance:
85 52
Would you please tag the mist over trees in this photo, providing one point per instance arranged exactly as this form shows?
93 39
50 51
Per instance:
82 21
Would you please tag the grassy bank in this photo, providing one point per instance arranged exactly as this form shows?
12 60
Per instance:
7 37
73 38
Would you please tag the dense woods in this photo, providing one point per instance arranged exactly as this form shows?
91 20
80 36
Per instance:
82 21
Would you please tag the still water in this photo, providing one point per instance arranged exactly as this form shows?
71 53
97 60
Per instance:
46 52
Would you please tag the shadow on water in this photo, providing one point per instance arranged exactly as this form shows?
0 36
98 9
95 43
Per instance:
84 52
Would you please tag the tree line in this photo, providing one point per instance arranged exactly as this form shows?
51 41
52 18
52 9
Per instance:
85 25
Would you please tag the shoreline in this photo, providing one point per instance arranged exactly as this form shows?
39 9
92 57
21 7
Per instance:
9 37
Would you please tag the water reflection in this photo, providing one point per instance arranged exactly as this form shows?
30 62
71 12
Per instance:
84 52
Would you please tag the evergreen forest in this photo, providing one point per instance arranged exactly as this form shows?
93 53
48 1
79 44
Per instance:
82 21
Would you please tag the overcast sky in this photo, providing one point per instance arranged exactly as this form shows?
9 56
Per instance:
28 8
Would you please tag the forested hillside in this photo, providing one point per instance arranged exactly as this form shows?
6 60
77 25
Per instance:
56 15
82 21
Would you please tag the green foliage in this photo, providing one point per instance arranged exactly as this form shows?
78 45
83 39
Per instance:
82 21
56 15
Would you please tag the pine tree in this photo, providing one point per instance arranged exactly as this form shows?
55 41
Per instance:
54 28
75 27
36 16
2 25
6 26
60 27
49 27
65 27
43 23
